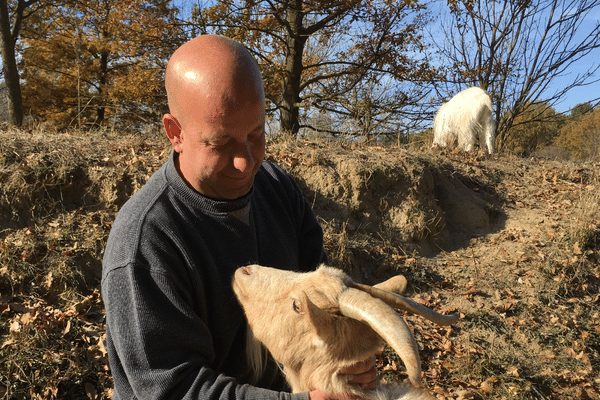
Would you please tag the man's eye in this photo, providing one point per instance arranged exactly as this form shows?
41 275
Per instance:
220 143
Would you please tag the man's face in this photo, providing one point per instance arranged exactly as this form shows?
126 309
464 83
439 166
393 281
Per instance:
222 148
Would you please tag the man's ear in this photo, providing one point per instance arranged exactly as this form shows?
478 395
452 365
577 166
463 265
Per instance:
173 131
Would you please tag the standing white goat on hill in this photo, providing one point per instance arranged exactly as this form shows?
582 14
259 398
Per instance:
317 323
464 119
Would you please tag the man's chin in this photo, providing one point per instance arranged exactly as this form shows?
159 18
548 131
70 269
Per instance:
226 189
232 193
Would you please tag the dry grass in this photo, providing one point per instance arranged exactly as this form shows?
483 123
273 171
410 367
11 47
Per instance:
586 224
59 196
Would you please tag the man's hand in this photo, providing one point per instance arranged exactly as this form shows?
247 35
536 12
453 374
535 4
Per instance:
319 395
362 373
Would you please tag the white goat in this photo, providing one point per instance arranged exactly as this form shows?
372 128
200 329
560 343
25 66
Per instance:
318 323
464 119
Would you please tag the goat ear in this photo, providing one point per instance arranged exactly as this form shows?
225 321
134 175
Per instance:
396 284
321 321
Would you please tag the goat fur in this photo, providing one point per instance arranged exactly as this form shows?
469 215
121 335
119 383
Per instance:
298 317
465 120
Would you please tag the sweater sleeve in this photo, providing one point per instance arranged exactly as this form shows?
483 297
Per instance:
163 348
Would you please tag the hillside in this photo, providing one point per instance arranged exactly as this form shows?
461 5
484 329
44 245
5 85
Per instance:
512 244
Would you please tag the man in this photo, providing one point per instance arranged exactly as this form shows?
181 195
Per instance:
174 327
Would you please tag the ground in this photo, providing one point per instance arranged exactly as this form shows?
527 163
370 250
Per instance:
512 244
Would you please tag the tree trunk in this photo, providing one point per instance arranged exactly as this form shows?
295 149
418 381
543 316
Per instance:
101 109
9 65
290 116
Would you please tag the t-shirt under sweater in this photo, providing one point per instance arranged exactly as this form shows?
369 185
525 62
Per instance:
174 328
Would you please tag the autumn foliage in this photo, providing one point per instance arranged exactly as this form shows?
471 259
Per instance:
581 136
85 63
533 129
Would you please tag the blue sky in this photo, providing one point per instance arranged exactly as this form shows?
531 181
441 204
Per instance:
579 95
588 93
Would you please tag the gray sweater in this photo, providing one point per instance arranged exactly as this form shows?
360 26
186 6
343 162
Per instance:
174 328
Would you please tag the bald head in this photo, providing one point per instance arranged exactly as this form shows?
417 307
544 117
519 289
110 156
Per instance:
211 71
217 119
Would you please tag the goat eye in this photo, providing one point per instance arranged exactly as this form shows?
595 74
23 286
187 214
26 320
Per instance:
297 306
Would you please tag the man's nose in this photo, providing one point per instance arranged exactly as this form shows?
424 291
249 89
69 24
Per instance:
242 159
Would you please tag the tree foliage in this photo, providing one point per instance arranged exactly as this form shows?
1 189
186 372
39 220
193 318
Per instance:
582 109
521 52
581 136
85 62
534 129
328 62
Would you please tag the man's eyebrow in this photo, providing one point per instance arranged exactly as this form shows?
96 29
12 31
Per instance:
218 136
226 135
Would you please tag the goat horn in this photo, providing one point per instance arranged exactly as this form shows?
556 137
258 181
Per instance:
384 320
402 303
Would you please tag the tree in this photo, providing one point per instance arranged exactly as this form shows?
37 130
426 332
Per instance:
534 129
12 14
316 54
85 62
520 51
581 136
581 109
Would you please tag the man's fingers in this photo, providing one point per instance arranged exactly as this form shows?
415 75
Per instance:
363 373
360 367
363 377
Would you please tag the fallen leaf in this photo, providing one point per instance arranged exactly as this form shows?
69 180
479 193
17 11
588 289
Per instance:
67 328
8 342
19 308
48 281
488 385
502 308
585 359
419 299
471 292
15 327
512 370
585 335
27 318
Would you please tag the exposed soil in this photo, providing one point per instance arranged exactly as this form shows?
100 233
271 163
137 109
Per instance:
512 244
